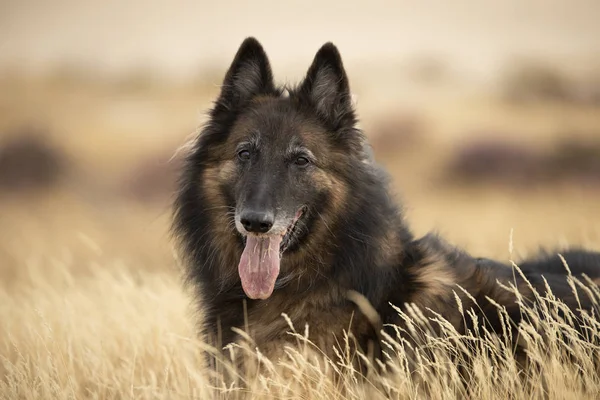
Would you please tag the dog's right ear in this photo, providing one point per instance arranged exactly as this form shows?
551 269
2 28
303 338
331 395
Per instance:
248 76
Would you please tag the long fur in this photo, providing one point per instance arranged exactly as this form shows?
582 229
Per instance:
355 257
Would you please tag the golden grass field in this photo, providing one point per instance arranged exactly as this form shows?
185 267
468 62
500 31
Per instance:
91 301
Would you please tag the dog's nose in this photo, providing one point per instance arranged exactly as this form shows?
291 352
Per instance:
257 221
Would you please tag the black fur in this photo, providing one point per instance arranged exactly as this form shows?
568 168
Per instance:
355 251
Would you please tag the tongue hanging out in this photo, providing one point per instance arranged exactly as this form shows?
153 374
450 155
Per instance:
259 265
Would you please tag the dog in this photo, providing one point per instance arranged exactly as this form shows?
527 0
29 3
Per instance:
281 208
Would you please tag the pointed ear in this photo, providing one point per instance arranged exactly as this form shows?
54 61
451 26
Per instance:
248 76
327 89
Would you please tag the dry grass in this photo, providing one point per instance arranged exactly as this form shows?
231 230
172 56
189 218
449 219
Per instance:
103 315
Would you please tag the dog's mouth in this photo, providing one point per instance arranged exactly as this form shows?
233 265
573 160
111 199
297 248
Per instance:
290 232
260 261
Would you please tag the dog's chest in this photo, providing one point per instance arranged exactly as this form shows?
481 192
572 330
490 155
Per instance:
275 320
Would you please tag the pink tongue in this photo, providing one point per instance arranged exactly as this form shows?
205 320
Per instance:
259 265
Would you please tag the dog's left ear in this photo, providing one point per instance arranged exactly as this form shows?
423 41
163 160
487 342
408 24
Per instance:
327 89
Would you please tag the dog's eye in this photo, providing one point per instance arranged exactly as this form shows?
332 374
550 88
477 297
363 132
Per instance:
244 155
301 161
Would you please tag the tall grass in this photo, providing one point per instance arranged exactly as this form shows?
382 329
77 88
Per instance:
113 333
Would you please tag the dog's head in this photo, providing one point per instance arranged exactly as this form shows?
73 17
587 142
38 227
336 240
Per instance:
274 163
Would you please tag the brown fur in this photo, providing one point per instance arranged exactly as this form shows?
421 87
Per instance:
353 256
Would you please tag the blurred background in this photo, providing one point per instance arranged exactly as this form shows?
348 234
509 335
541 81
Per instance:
487 115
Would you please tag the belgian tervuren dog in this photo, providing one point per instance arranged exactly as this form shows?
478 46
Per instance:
282 209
